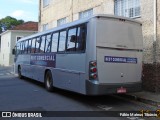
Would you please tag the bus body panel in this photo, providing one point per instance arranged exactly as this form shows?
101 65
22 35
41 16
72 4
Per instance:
119 51
115 33
29 70
116 72
68 75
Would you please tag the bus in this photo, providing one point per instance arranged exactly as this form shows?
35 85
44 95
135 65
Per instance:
93 56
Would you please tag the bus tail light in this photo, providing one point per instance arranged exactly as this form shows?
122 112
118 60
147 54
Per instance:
93 70
93 76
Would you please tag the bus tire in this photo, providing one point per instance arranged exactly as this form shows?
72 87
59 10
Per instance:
48 81
20 72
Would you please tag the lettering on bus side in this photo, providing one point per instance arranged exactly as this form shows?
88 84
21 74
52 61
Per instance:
114 59
47 60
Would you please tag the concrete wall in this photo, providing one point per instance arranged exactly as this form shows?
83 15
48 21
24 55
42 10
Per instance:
147 20
158 31
8 41
5 48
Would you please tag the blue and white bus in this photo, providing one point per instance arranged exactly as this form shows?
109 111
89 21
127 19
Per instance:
93 56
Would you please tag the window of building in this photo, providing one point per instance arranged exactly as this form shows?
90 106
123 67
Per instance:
45 3
48 43
72 38
127 8
45 27
62 40
86 13
54 42
61 21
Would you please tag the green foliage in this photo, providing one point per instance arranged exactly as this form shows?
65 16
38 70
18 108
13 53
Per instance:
8 23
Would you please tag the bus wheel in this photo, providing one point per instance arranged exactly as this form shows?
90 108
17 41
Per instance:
20 72
48 81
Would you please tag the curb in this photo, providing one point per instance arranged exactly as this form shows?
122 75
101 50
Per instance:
143 100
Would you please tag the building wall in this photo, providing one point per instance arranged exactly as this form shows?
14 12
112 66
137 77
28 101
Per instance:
5 48
158 31
147 19
8 40
70 9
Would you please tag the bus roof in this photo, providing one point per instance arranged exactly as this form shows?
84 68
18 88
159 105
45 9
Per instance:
77 22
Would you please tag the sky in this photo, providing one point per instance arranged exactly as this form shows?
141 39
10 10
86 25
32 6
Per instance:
26 10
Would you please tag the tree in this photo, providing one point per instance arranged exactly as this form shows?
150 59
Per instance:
8 23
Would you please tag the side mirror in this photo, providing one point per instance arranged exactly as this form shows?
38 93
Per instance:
13 51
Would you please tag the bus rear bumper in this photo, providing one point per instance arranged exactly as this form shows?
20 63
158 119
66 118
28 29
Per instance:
103 89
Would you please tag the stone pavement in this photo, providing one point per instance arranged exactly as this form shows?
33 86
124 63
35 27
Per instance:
145 97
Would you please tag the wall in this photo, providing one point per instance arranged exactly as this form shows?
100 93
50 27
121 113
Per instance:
151 69
8 43
71 8
5 48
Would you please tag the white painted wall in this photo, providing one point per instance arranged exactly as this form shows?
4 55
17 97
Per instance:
8 41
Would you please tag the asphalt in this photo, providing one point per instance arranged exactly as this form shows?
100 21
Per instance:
144 96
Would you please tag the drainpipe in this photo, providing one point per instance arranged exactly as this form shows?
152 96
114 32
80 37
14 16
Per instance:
155 31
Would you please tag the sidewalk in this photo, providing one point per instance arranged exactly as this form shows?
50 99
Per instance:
145 97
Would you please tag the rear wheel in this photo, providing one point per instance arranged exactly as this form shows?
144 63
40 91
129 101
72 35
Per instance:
48 81
20 72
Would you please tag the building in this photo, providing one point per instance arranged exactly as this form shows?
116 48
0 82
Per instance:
57 12
9 39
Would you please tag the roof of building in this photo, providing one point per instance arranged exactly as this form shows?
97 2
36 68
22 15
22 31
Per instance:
29 26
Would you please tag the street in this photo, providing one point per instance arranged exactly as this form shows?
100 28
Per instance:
30 95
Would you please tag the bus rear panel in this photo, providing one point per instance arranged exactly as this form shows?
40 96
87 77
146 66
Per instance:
118 57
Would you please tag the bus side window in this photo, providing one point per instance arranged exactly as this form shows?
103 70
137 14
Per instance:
26 46
48 43
71 41
29 46
81 38
62 40
33 45
38 41
42 46
54 42
18 49
22 47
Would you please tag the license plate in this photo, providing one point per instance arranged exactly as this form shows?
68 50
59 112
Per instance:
121 90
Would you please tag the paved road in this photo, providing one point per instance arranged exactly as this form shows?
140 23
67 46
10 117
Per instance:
29 95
